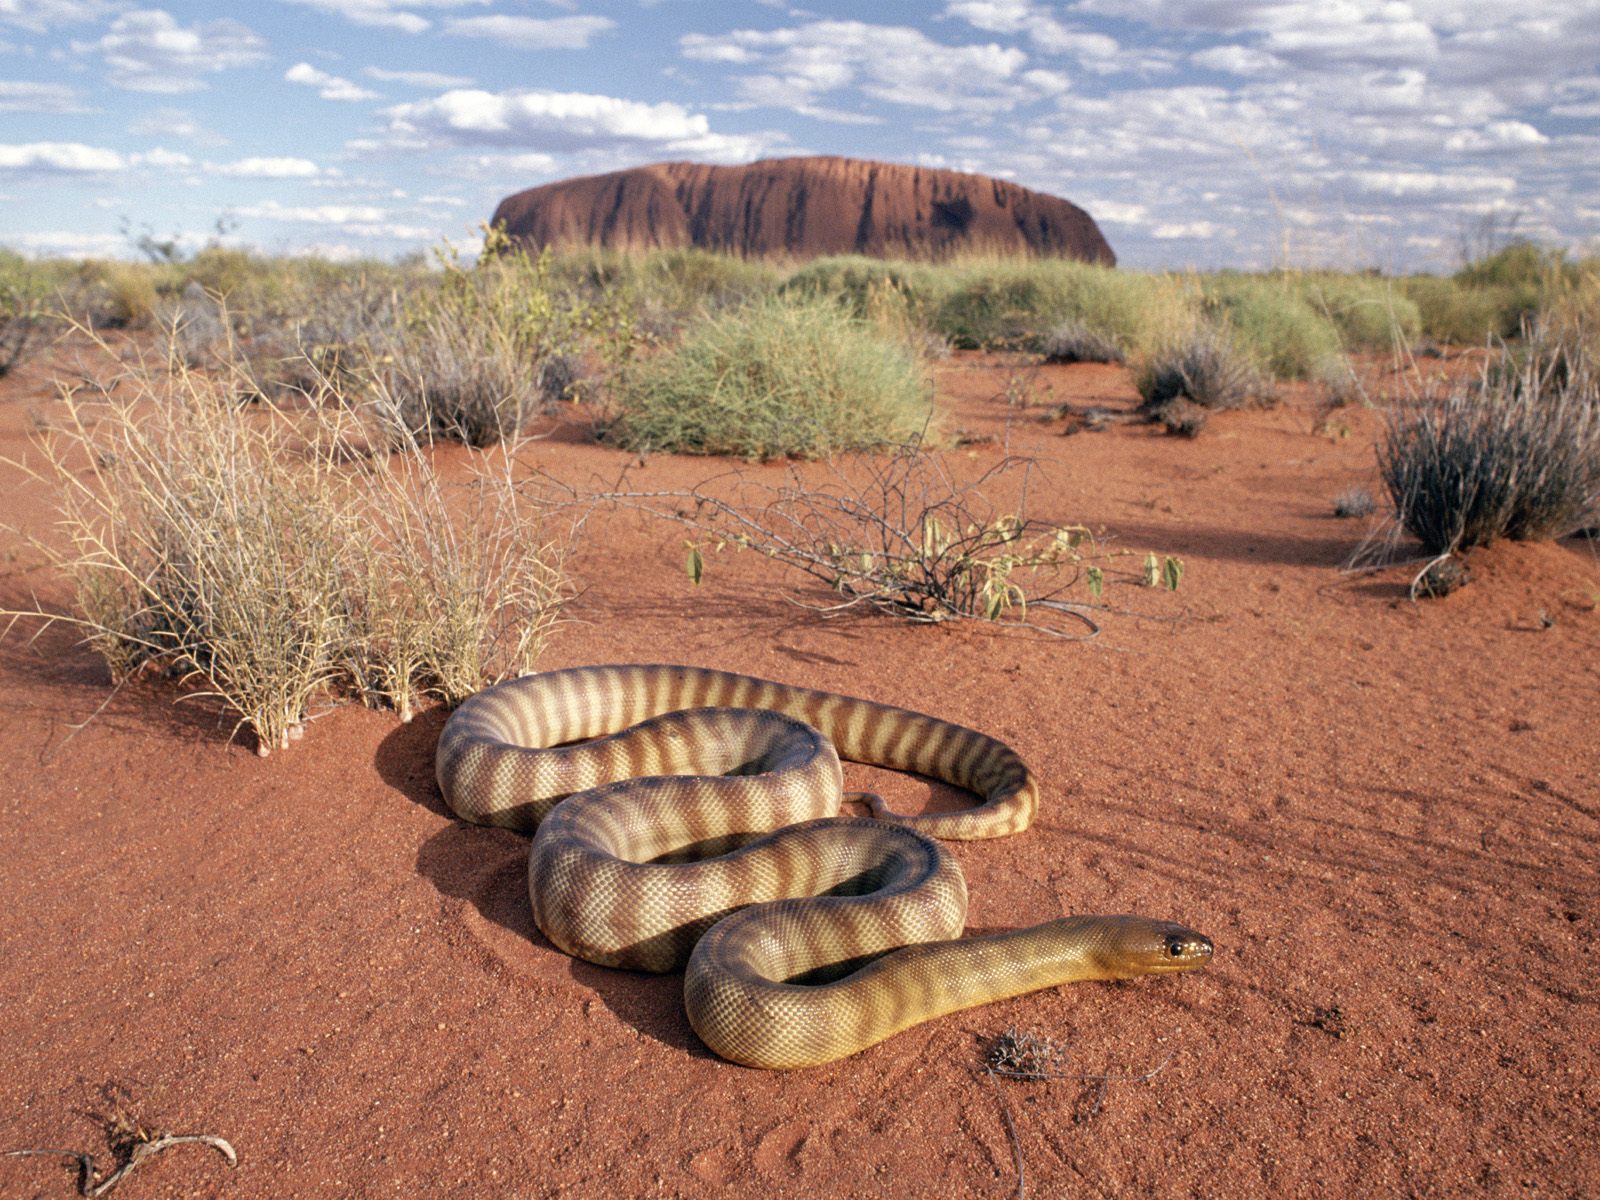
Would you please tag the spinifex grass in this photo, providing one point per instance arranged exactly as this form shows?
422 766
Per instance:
1513 454
272 555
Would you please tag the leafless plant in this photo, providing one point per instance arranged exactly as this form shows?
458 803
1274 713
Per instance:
900 535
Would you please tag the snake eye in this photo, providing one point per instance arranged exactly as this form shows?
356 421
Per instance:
1175 948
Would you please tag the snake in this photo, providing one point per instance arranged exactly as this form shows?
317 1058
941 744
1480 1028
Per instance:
689 818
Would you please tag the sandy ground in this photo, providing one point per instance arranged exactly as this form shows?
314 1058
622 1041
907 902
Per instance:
1385 814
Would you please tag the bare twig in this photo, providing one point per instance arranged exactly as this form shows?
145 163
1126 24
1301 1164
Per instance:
130 1141
141 1151
897 535
1038 1058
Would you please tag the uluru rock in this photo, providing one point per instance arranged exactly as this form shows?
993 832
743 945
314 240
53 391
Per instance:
802 208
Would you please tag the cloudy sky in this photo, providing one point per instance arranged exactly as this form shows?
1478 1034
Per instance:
1245 133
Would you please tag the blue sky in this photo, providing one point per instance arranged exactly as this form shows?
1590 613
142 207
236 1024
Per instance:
1245 133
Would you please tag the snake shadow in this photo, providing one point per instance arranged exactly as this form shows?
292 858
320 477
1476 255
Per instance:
487 869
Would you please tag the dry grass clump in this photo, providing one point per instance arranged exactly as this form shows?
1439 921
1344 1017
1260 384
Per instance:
274 556
1075 341
1514 454
1355 502
1199 373
469 358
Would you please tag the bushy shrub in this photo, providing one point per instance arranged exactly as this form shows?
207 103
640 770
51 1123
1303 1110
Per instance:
1205 368
1370 313
1075 341
467 361
1017 303
1515 454
1456 314
780 377
24 298
238 547
1273 324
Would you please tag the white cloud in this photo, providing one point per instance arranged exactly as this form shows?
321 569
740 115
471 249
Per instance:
533 33
1186 229
28 97
496 165
556 122
894 64
1237 60
1097 52
37 16
148 51
314 214
70 243
419 79
269 168
65 158
329 87
1115 211
1495 136
1431 183
384 14
162 157
175 122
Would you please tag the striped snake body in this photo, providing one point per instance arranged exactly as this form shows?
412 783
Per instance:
685 816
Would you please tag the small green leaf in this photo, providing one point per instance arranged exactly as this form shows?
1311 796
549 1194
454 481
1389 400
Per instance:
1097 581
1171 573
1152 570
696 565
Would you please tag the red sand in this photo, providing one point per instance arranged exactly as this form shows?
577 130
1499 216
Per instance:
1385 814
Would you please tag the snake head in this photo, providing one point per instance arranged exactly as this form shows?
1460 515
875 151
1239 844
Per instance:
1126 946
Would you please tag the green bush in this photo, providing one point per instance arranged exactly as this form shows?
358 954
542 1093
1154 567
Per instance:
1370 313
24 301
1273 324
1018 303
1459 315
781 377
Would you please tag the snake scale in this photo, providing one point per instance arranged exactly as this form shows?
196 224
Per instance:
689 817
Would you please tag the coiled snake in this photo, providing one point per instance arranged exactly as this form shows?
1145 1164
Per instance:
700 827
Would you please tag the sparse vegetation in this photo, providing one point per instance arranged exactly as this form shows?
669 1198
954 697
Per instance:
24 291
1202 372
1514 454
782 377
274 556
904 537
1356 502
1074 341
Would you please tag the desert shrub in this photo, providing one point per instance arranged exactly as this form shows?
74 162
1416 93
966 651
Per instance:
1273 324
196 325
903 536
275 557
1017 303
688 278
780 377
1355 502
466 361
1456 314
24 302
1370 313
1205 368
1514 454
854 279
113 295
1074 341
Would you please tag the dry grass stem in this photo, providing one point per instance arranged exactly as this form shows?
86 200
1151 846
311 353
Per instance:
272 556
